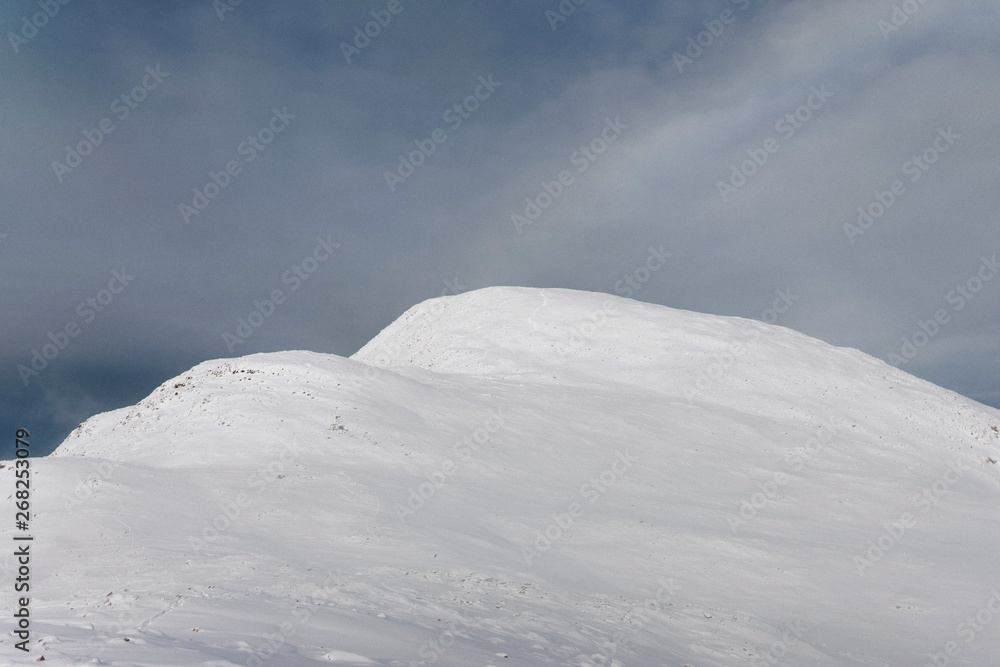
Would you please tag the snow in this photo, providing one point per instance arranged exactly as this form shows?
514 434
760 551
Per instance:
713 491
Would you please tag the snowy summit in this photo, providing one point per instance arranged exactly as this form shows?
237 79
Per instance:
519 476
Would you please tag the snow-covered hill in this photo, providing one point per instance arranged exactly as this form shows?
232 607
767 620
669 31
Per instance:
518 476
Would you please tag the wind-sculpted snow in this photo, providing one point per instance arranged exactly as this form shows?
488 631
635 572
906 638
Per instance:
518 476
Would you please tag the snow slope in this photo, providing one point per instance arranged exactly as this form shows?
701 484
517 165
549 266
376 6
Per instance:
518 476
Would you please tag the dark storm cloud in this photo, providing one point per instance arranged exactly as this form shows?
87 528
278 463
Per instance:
280 138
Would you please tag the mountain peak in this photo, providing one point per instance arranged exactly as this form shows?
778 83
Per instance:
521 472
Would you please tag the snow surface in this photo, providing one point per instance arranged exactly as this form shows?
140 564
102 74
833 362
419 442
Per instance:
713 491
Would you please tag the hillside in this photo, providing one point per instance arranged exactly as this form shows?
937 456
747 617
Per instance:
517 476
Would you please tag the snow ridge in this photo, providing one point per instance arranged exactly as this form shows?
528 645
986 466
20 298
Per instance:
526 477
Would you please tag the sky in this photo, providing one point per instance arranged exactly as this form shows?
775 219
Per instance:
194 180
